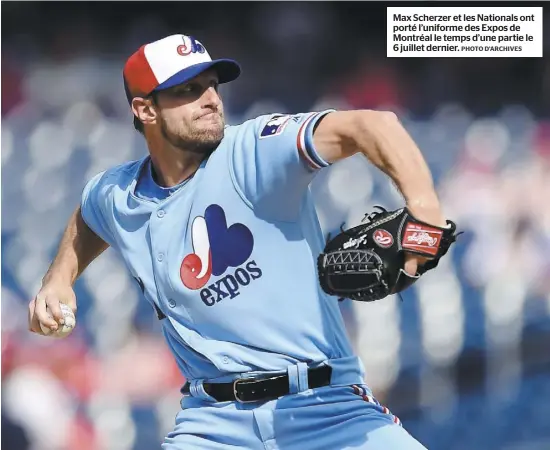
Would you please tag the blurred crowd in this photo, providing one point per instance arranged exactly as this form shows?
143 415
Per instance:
459 359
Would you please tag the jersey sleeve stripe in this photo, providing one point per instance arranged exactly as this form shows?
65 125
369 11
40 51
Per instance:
308 140
305 141
301 143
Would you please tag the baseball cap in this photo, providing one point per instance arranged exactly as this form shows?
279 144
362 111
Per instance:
171 61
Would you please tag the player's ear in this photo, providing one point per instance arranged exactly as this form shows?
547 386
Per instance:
144 109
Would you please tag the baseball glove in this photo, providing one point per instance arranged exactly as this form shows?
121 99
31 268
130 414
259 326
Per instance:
365 263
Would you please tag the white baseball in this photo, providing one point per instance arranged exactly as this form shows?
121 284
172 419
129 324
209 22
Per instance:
65 329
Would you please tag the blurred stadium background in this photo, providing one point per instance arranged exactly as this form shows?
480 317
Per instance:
464 360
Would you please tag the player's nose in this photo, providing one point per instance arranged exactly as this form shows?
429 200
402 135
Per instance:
211 97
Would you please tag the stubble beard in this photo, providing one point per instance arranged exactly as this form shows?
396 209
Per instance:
203 141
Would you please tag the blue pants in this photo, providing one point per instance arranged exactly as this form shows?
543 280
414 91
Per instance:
327 418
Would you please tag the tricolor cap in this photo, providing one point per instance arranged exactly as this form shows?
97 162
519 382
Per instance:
171 61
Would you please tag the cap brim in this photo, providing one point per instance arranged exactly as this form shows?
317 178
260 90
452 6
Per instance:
227 69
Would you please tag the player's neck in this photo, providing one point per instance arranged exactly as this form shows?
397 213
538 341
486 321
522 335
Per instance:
172 166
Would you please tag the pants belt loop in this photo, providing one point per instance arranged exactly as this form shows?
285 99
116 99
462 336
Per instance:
293 380
196 389
193 388
303 382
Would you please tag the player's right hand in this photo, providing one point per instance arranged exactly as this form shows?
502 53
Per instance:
50 295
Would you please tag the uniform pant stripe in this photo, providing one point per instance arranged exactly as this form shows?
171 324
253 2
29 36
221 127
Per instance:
362 392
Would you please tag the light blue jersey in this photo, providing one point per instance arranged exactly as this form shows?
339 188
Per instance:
228 260
229 256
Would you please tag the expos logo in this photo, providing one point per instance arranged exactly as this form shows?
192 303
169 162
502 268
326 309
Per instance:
216 248
193 46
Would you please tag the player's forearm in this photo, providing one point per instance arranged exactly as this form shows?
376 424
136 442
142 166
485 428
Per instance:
385 142
78 248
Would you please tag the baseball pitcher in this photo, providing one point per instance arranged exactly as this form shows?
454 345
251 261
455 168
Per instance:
218 228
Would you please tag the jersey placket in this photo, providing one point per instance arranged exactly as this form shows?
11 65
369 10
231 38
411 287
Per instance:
158 254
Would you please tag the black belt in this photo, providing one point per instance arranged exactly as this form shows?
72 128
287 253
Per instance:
246 390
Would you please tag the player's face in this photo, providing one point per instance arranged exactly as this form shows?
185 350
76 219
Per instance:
191 114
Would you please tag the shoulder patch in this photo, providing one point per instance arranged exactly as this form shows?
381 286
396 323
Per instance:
275 125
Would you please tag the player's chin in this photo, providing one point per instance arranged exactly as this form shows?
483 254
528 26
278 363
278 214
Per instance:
211 131
208 140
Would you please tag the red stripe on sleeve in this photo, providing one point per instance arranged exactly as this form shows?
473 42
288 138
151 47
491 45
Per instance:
301 149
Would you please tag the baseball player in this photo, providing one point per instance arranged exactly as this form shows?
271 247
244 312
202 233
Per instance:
218 228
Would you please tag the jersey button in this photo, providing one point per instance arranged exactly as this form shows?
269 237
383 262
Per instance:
171 303
160 257
161 213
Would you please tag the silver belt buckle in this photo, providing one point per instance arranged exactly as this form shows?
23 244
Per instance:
235 383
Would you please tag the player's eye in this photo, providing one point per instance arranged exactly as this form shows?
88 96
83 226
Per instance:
188 89
192 89
184 90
